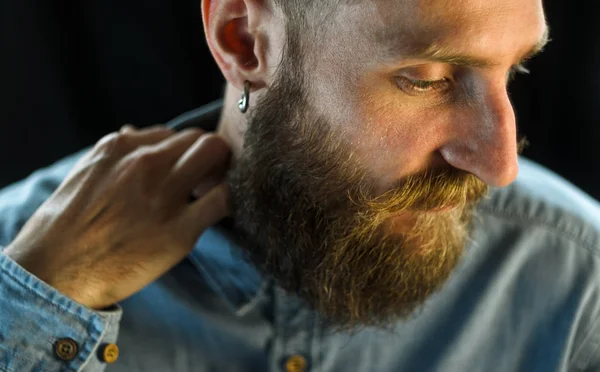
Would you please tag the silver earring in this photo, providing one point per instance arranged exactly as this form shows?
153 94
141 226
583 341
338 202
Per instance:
244 102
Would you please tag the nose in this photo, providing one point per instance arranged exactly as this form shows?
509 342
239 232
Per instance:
484 140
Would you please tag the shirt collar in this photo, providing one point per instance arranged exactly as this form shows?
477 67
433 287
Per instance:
215 254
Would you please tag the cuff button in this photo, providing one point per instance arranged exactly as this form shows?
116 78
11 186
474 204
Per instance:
109 353
65 348
296 363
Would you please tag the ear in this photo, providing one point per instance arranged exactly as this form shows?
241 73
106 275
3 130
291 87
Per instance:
236 35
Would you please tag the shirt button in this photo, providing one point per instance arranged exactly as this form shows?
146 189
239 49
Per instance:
109 353
296 363
65 348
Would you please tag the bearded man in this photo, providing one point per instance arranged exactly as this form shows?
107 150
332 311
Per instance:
362 207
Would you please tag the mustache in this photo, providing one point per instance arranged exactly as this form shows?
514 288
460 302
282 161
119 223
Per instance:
431 189
427 190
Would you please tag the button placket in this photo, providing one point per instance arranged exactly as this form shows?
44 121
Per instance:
294 325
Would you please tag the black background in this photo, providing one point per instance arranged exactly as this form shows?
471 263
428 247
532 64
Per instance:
72 71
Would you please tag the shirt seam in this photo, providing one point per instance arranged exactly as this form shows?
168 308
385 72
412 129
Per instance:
585 349
589 347
86 361
573 237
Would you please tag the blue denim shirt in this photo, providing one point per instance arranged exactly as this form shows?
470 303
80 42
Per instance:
525 297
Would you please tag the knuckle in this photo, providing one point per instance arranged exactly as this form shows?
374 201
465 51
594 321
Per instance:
146 158
113 143
127 127
104 141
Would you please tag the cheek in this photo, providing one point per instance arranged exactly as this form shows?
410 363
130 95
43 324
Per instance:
399 137
392 134
399 127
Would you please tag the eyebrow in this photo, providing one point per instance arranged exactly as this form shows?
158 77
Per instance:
439 53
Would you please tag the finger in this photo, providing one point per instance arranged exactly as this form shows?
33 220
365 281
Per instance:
212 179
154 162
175 146
127 128
128 139
205 212
145 137
169 148
206 155
117 145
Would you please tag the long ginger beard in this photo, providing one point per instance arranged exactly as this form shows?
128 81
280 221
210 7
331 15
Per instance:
306 214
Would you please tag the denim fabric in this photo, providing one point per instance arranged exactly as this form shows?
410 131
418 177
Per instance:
525 297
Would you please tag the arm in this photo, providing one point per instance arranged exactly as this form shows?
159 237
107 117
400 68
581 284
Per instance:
34 317
20 200
77 227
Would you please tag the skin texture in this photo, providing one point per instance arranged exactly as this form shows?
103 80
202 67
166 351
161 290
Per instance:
355 70
349 145
101 236
336 167
476 133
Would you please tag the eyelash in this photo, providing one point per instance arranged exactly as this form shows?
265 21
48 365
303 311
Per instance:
516 70
422 87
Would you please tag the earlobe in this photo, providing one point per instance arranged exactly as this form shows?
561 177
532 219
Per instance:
233 36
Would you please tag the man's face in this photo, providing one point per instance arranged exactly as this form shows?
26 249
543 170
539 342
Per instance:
395 110
376 78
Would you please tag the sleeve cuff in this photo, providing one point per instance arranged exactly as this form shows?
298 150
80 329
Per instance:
34 316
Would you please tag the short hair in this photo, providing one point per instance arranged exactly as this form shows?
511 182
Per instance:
305 20
306 12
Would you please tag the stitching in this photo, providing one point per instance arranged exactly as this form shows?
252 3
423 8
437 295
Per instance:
47 301
548 225
589 347
42 295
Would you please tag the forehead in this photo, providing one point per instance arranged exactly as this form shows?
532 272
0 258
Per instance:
488 25
437 13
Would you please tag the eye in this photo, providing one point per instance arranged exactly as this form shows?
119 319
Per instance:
515 70
422 87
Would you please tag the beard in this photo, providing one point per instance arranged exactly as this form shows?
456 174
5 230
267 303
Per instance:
305 211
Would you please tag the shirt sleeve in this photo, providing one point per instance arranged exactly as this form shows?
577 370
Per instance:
35 319
587 359
20 200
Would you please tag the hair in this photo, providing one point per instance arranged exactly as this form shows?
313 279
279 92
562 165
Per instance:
295 9
305 22
306 14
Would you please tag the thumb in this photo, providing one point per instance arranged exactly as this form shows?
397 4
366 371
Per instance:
206 211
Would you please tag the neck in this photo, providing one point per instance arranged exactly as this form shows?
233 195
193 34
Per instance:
232 124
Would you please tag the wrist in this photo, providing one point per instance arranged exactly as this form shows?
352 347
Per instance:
41 272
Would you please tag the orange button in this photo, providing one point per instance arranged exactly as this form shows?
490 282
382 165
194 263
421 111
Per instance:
109 353
65 348
296 363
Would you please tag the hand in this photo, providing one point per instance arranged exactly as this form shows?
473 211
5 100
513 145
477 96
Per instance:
123 216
